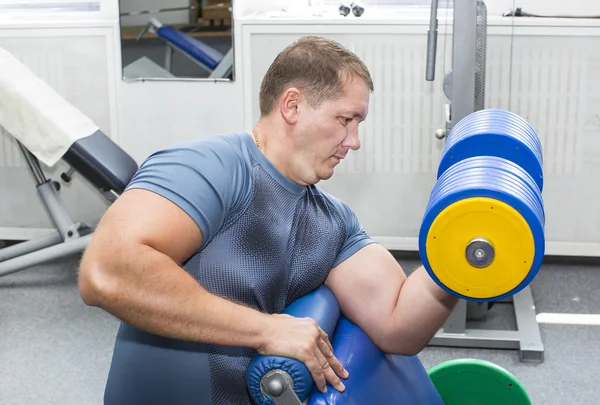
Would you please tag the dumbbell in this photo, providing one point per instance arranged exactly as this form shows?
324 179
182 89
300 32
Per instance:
482 234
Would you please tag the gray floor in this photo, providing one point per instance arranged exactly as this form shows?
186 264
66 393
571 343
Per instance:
55 350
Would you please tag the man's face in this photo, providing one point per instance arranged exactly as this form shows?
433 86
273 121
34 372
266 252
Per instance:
327 133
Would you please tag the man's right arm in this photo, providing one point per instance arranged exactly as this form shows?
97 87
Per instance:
131 270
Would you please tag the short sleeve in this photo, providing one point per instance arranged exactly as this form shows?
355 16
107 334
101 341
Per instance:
207 179
356 237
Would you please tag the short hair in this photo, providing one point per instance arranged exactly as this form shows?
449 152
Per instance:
317 66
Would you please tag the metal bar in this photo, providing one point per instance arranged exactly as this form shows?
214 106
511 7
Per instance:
193 12
44 255
48 194
225 67
34 166
463 59
432 42
532 347
29 246
527 338
56 210
480 338
457 321
169 57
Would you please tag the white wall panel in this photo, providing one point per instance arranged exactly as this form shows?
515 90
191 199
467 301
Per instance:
547 75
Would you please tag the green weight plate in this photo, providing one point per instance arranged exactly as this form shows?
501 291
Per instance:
477 382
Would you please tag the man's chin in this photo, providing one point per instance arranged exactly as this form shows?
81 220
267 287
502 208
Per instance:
326 175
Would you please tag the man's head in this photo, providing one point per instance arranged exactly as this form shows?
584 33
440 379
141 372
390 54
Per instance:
319 92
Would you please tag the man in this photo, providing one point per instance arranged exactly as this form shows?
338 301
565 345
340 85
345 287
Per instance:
215 237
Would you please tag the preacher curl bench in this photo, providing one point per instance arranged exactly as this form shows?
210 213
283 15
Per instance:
374 376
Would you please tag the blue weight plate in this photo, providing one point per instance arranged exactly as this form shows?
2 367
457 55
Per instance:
492 138
501 127
483 164
495 133
498 118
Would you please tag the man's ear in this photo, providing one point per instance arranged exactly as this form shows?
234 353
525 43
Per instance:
290 105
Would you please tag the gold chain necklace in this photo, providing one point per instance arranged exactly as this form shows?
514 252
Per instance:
255 138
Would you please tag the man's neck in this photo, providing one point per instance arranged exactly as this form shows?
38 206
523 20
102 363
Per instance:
275 144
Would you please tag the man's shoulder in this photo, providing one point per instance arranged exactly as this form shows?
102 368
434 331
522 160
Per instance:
228 146
217 162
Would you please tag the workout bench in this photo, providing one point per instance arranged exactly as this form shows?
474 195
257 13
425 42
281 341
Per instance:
104 165
43 121
375 377
216 64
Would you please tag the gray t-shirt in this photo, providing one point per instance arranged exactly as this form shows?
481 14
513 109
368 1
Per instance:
267 242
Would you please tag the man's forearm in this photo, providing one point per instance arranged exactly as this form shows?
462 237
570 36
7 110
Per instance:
150 291
422 308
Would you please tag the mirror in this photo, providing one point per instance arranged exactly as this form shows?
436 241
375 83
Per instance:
176 39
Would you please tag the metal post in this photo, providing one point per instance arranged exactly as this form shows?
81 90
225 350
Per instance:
432 42
51 201
464 41
57 211
169 58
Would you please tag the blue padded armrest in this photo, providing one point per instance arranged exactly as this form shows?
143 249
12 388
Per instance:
319 305
374 377
199 51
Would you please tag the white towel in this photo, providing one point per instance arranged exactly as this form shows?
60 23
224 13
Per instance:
36 115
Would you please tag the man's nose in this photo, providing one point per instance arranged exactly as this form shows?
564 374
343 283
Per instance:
352 141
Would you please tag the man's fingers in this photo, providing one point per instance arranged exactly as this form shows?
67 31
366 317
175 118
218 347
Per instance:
328 372
334 363
314 367
326 338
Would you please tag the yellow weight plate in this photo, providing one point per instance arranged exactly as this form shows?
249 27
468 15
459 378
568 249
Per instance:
475 218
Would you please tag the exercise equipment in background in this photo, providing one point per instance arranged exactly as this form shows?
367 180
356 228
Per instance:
374 376
217 65
464 86
45 122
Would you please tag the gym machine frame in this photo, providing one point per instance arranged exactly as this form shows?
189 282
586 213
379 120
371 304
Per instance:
467 34
68 238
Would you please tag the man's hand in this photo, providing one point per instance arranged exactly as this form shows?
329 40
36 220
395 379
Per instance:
304 340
